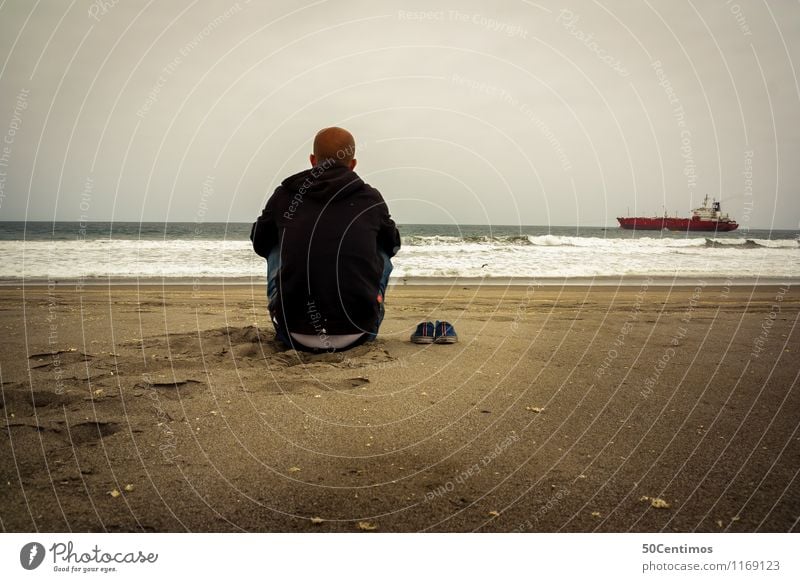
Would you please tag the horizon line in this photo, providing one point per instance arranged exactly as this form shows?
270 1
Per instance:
142 222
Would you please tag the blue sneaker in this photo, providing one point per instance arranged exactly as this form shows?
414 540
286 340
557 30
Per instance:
424 334
445 333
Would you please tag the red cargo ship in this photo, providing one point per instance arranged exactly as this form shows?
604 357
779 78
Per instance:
706 218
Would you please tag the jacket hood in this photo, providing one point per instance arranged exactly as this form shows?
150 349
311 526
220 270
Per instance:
324 182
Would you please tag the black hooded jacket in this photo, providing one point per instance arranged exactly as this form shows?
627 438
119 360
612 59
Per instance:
329 226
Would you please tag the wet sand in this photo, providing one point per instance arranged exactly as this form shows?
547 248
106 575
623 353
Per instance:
577 409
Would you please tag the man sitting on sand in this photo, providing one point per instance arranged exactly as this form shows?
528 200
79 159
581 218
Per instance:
328 238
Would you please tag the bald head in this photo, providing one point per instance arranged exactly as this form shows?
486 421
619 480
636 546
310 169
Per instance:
334 143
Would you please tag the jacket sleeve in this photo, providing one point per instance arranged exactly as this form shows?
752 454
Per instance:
264 234
388 235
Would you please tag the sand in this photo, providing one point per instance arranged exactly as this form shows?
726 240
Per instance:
576 409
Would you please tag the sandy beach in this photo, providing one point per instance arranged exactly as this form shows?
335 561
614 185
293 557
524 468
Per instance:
575 409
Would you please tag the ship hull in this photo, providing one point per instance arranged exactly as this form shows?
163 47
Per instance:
676 224
641 223
687 224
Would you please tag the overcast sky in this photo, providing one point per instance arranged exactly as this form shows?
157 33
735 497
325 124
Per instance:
513 112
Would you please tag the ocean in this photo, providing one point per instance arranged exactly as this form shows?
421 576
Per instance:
200 252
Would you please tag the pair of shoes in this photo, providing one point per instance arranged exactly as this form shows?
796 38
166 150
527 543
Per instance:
440 332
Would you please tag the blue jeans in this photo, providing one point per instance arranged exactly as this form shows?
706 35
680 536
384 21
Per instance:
274 264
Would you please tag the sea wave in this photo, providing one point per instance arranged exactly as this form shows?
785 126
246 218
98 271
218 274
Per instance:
753 244
431 256
548 240
421 241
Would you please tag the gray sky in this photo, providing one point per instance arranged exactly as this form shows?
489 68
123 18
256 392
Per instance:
512 112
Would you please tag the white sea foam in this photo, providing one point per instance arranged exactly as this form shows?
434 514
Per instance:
549 240
439 256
